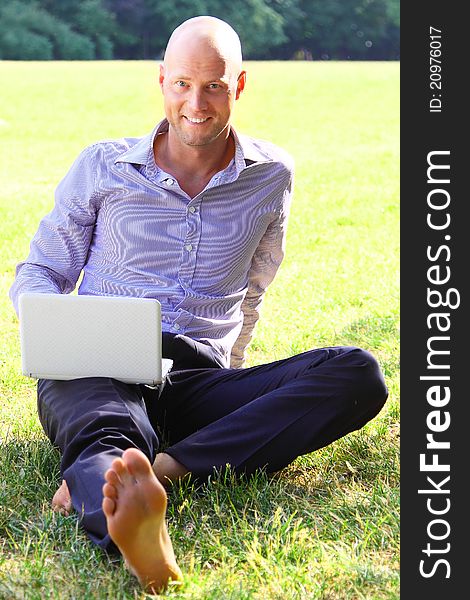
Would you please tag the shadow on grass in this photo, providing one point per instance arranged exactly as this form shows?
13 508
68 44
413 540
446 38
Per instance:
343 495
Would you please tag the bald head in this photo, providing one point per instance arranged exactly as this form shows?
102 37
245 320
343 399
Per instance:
206 33
201 78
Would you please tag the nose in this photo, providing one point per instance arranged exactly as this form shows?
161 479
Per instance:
197 100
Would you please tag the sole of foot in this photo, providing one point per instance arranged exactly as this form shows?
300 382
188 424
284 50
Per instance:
134 503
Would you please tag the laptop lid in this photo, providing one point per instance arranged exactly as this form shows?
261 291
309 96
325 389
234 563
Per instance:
70 337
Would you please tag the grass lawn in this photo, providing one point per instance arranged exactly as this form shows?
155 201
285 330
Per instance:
327 527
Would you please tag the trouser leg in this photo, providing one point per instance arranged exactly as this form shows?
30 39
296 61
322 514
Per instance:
190 354
266 416
93 421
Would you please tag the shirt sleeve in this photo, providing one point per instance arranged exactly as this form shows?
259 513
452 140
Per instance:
59 249
266 261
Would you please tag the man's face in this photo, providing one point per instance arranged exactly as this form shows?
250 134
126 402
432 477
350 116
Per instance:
199 89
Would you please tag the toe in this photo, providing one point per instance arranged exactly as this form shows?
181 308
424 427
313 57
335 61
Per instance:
61 510
109 506
118 466
112 477
109 491
137 463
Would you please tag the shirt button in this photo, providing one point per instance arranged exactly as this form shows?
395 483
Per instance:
188 247
170 181
192 209
176 326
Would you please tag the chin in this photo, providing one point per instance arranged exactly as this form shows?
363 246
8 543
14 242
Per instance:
198 140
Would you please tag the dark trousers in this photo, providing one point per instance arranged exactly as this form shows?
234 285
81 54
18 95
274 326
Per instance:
264 416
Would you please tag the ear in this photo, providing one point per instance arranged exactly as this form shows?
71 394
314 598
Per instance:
240 84
162 75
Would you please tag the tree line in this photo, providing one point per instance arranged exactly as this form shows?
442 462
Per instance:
139 29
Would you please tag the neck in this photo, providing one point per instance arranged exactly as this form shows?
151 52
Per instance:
198 161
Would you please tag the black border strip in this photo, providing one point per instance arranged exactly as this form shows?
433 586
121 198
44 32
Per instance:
434 353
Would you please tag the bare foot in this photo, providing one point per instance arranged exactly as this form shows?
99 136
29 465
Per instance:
134 504
168 470
62 502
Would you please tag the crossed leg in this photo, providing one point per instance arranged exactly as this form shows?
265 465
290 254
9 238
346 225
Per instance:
263 416
249 418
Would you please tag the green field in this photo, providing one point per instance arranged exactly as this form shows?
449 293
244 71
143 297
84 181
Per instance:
325 528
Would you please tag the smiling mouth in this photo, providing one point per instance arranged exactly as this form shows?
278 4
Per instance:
195 121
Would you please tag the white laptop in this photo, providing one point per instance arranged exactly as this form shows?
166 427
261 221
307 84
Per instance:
70 337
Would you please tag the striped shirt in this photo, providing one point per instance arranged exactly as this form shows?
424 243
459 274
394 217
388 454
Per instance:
131 230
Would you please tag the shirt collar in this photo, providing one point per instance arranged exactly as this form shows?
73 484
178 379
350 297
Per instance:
247 152
142 152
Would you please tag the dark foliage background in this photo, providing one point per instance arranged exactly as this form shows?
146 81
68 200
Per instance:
139 29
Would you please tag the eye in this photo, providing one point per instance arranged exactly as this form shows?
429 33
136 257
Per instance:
214 86
180 83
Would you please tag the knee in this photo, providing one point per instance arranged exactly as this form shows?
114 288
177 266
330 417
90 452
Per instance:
370 387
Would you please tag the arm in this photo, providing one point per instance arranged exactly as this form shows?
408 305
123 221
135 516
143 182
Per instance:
59 248
264 266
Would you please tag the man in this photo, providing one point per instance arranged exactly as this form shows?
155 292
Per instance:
194 215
